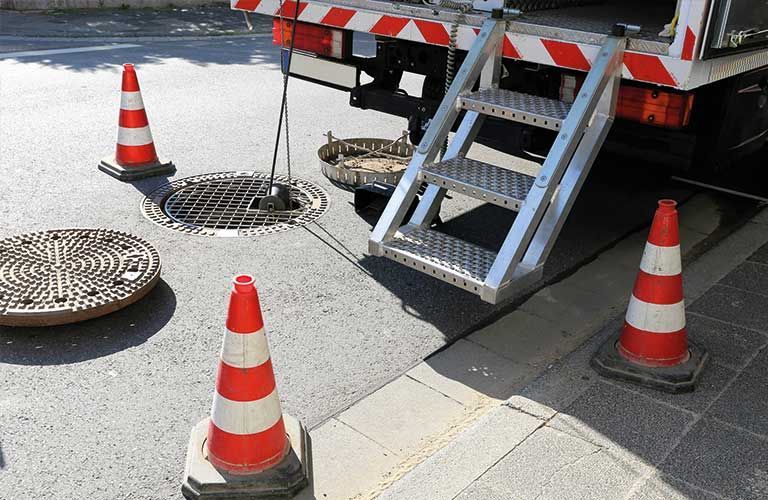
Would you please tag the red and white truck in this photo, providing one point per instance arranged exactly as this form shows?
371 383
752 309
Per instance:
681 82
696 92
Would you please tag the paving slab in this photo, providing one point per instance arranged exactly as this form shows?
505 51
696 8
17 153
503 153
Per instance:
608 277
734 306
713 380
468 372
749 276
759 365
745 403
723 459
446 473
728 345
608 416
665 487
524 338
566 380
338 449
574 311
403 416
629 251
761 255
554 464
719 261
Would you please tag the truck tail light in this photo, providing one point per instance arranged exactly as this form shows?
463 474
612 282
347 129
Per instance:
313 38
652 106
655 107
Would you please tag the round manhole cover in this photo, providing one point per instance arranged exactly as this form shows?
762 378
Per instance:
223 204
67 275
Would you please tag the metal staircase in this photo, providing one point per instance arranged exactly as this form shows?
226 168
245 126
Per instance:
543 202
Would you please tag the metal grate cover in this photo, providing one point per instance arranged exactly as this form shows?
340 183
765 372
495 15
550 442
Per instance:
67 275
220 205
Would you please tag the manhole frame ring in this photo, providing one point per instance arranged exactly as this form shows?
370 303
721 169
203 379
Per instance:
152 206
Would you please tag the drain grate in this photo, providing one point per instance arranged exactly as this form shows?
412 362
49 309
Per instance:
67 275
221 205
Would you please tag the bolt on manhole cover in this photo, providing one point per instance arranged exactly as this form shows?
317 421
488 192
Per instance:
67 275
222 204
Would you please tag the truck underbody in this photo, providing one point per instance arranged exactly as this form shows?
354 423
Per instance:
685 83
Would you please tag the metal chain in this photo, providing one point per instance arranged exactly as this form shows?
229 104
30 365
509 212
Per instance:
284 100
287 142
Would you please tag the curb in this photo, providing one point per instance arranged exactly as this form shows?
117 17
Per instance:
399 427
446 473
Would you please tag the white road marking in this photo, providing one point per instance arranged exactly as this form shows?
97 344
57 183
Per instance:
71 50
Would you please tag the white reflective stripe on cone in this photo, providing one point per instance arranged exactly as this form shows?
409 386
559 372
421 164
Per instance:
661 261
245 350
134 136
656 318
131 101
237 417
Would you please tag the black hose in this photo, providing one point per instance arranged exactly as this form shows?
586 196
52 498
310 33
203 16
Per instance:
285 89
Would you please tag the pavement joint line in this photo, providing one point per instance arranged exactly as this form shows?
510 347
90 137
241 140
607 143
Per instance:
761 437
69 50
566 465
468 339
646 396
717 320
442 439
697 417
509 405
542 424
741 290
437 390
362 434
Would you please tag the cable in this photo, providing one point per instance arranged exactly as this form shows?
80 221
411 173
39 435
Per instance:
286 74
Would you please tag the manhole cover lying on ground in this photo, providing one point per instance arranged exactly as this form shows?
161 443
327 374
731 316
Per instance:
223 205
67 275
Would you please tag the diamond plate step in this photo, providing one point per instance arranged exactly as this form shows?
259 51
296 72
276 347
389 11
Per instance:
524 108
441 256
502 187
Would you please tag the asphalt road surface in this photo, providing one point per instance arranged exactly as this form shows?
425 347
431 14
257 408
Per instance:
102 409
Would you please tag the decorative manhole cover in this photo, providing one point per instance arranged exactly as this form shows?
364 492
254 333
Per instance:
67 275
223 205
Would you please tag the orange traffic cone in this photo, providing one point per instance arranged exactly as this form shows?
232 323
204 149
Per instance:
135 156
248 448
652 348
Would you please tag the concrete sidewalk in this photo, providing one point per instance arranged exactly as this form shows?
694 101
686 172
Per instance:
212 20
446 424
571 434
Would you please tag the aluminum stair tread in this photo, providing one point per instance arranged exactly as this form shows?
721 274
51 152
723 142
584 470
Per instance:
442 256
516 106
483 181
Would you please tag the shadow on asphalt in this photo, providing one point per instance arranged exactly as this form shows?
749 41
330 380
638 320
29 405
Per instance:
91 339
241 50
147 186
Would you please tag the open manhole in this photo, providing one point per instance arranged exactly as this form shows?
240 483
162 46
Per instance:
223 204
67 275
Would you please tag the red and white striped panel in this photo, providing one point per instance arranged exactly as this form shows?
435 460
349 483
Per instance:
663 70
